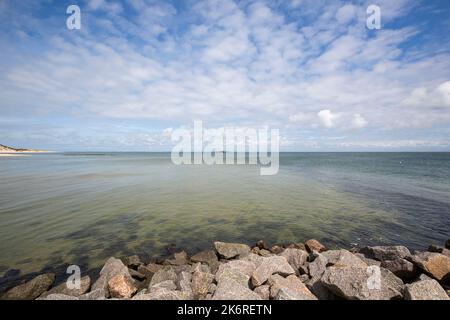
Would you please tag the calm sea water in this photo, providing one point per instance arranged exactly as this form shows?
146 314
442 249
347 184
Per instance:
81 208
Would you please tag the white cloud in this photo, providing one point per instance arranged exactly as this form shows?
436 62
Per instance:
358 121
327 118
346 14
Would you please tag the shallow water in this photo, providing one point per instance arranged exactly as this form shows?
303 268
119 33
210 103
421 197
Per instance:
80 208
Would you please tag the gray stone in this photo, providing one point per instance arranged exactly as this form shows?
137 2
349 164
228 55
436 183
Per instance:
85 284
265 253
164 294
133 261
201 282
317 267
179 259
402 268
275 249
368 261
356 283
58 296
343 258
136 274
295 257
425 290
163 274
244 266
97 294
288 294
231 250
227 272
167 284
269 266
292 283
232 290
184 281
209 257
31 289
386 252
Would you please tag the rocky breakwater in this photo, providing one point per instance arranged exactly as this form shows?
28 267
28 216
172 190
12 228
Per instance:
232 271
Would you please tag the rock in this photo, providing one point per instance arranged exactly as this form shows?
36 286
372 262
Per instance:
167 284
58 296
180 258
261 245
276 249
133 261
232 290
255 250
112 268
85 284
401 268
244 266
295 257
434 248
265 253
184 281
292 283
164 294
425 290
386 252
423 276
447 244
212 288
121 286
31 289
269 266
300 246
163 274
231 250
209 257
368 261
97 294
257 260
343 258
435 264
154 267
314 245
317 267
319 290
201 282
263 291
136 274
446 252
356 283
287 294
227 272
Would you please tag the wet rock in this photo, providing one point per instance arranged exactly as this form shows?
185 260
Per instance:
201 282
180 258
295 257
343 258
434 248
300 246
133 261
231 250
85 284
447 244
121 286
269 266
425 290
353 283
31 289
261 245
209 257
435 264
58 296
287 294
314 245
112 268
292 283
163 274
386 252
232 290
263 291
276 249
402 268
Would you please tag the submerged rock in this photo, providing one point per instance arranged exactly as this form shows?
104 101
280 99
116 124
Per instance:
31 289
231 250
425 290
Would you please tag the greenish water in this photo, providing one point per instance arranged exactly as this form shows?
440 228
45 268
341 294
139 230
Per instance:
73 208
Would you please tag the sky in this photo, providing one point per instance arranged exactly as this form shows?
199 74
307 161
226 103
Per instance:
139 69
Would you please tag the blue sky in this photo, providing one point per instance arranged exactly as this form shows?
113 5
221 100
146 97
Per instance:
139 69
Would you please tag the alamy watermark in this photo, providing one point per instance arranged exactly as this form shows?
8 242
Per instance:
227 145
